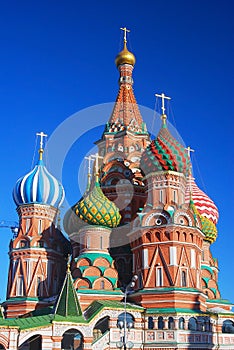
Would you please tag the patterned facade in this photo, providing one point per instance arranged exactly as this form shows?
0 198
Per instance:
142 215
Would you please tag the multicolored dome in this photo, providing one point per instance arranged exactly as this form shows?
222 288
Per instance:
96 209
204 204
165 153
38 186
208 227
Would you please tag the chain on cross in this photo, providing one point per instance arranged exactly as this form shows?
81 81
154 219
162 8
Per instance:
163 97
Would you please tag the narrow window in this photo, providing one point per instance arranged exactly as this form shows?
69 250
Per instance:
160 322
183 279
20 286
15 262
159 277
101 242
193 259
39 226
102 285
181 323
171 323
174 196
173 256
145 258
161 196
140 283
203 255
28 264
27 225
150 322
38 287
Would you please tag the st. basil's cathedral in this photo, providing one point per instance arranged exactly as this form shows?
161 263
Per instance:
137 271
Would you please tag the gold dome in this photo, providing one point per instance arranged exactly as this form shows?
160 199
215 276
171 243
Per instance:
125 56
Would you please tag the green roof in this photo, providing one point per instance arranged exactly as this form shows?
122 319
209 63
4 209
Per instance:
160 290
100 291
45 320
28 322
172 310
97 306
67 303
219 301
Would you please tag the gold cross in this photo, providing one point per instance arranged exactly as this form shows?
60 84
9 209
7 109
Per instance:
163 97
125 33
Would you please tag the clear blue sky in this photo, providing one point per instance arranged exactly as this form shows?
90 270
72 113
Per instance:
57 57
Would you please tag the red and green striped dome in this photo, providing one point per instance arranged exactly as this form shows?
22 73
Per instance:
204 204
208 227
165 153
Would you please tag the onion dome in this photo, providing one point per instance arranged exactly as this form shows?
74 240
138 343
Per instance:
203 203
95 208
208 227
39 187
125 57
165 153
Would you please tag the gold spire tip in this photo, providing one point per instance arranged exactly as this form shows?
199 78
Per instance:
69 263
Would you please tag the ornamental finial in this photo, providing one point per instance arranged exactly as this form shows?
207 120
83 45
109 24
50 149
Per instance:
41 150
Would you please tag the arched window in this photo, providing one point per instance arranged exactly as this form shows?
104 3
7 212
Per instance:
202 324
72 340
150 322
192 324
129 320
228 326
100 327
171 323
160 322
34 342
181 323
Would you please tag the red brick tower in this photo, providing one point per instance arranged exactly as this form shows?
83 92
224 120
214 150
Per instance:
37 254
167 238
121 146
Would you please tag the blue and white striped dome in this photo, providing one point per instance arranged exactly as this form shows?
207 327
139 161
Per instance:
40 187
